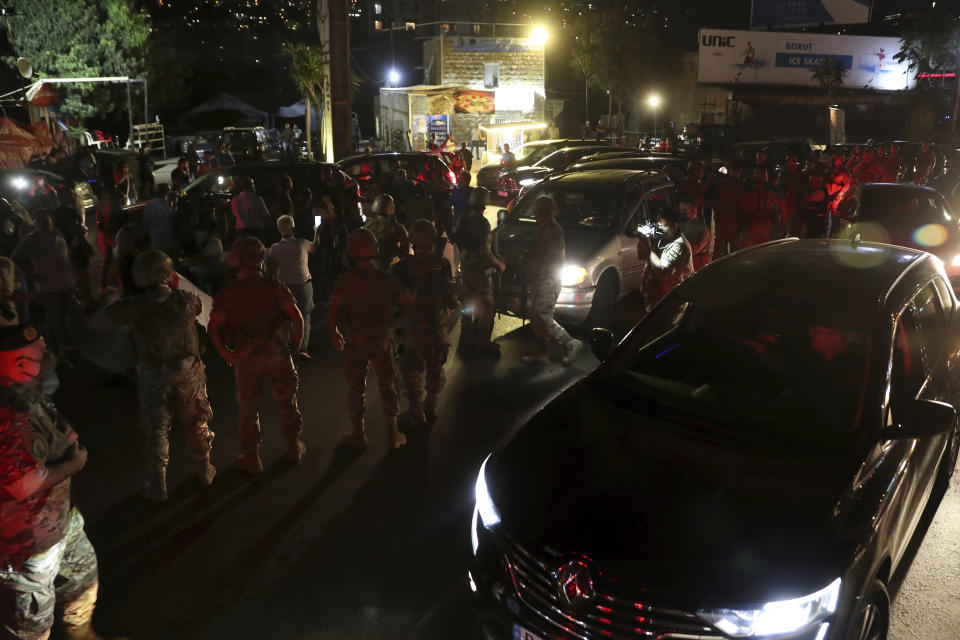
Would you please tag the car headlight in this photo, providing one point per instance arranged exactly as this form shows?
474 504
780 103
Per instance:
485 507
956 261
571 275
785 616
526 182
20 183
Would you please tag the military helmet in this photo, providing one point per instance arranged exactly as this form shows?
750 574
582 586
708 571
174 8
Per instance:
423 235
478 197
383 205
247 252
151 268
362 244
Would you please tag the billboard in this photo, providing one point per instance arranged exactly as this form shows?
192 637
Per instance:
776 58
800 13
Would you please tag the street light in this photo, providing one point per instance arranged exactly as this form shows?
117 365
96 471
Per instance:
393 77
654 101
539 35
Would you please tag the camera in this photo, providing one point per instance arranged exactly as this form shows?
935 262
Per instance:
647 230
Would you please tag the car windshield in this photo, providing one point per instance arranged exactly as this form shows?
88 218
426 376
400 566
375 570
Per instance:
214 182
556 160
887 205
593 206
531 154
755 376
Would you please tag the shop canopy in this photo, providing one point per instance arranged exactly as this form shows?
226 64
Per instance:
228 109
299 110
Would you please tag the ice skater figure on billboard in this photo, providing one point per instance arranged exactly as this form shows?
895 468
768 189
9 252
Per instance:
749 60
878 69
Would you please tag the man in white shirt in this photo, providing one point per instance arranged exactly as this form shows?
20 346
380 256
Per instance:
250 214
287 260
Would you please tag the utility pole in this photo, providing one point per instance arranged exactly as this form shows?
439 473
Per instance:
334 29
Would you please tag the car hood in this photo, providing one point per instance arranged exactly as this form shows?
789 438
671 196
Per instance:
656 512
522 173
514 239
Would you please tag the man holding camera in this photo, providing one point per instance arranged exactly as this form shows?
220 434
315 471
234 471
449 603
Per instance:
668 256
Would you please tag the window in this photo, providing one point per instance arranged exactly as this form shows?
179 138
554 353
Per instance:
491 75
377 8
445 27
931 324
410 26
378 25
476 29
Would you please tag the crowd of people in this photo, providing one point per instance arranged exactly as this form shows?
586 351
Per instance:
392 298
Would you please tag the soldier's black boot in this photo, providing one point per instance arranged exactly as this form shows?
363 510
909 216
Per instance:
205 471
155 485
395 439
249 461
356 439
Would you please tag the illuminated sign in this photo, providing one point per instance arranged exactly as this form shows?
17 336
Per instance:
799 13
776 58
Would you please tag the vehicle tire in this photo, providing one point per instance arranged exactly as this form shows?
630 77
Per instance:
603 310
873 615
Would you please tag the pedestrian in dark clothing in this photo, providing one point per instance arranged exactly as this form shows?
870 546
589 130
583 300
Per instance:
460 197
466 157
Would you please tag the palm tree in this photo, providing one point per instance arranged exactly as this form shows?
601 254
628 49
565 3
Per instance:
307 71
930 43
830 73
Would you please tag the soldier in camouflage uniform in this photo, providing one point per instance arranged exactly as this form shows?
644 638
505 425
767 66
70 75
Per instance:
429 277
369 298
163 323
391 236
477 266
48 568
256 327
543 274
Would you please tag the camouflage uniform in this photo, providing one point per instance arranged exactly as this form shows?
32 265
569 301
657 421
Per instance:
548 256
425 338
48 567
370 297
169 370
476 262
391 239
259 331
677 258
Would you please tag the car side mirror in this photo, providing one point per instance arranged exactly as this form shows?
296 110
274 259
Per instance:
601 343
921 419
502 215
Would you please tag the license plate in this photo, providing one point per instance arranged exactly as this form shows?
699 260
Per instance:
502 194
519 633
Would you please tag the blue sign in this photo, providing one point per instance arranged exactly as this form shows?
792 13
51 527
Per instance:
798 13
808 61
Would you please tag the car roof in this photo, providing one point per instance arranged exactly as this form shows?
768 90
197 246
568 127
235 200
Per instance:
385 154
604 176
849 282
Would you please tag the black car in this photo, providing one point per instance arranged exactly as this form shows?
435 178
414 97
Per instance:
528 154
675 166
509 183
907 215
752 460
36 188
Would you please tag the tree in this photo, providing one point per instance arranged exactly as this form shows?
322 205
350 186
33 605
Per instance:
81 38
830 73
614 52
930 42
307 71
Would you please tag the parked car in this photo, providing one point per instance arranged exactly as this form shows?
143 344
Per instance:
528 154
510 182
373 171
600 212
752 460
710 138
675 166
906 215
33 188
246 144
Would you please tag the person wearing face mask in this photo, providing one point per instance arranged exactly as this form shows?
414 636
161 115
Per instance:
49 568
170 373
669 259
